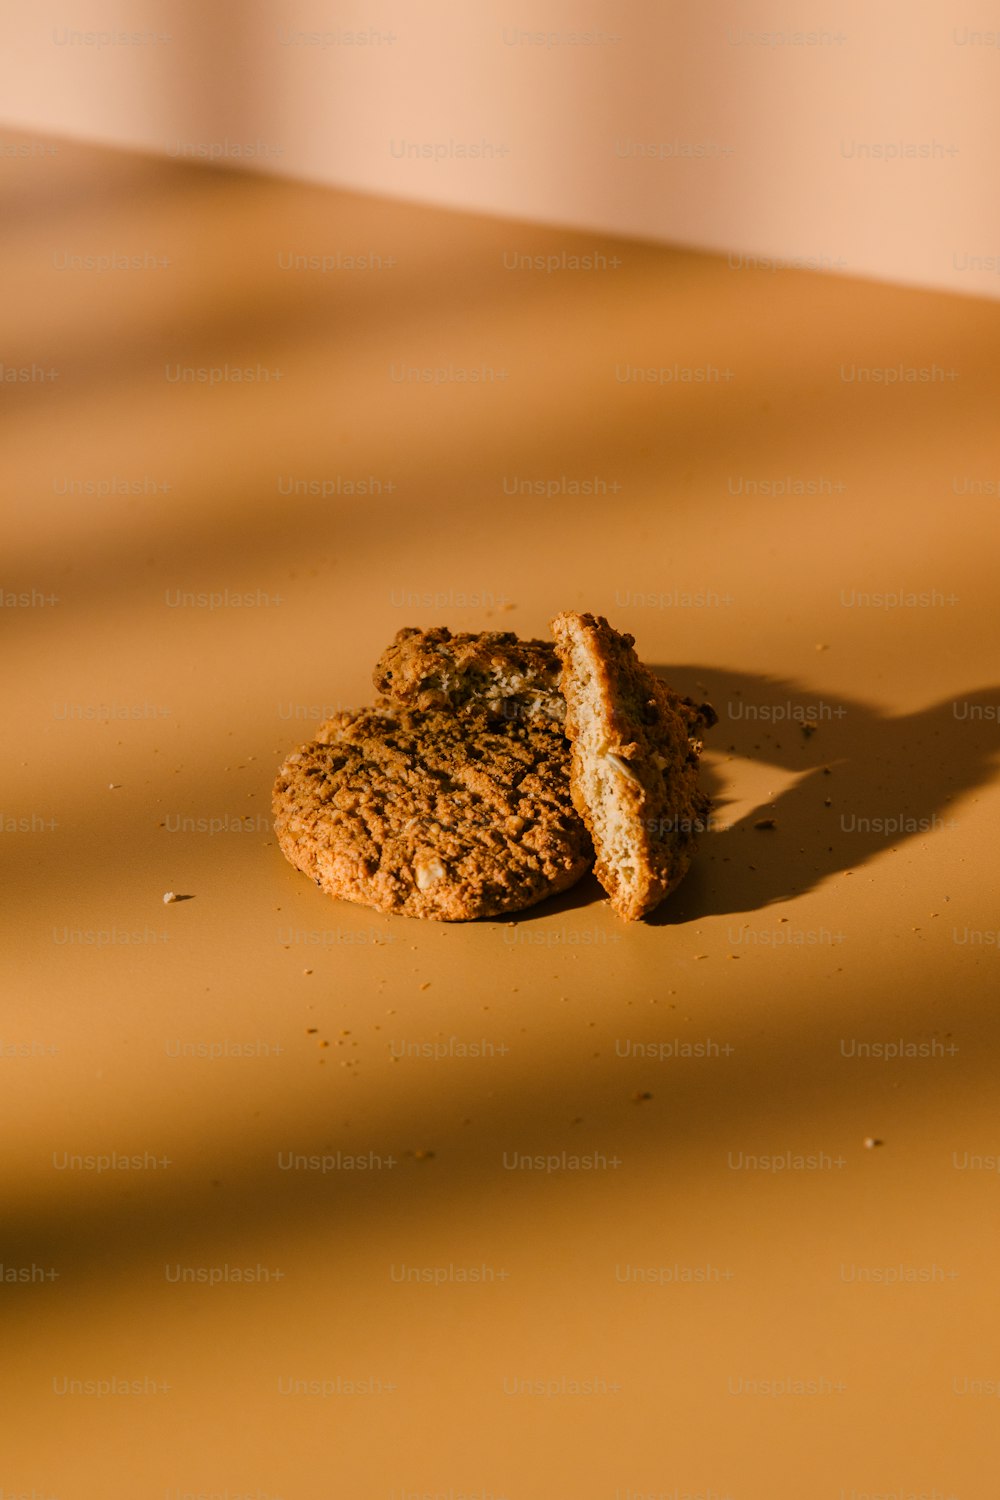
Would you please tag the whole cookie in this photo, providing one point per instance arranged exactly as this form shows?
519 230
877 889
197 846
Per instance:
431 815
494 673
634 772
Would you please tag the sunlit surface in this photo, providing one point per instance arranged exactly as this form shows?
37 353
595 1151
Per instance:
268 1228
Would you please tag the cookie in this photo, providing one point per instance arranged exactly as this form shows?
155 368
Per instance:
432 815
634 767
494 674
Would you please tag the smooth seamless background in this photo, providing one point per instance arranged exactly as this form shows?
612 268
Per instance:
852 137
737 1300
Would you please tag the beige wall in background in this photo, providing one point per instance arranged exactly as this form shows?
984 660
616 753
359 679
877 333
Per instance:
856 137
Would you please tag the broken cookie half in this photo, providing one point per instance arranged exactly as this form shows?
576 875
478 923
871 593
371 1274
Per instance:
634 763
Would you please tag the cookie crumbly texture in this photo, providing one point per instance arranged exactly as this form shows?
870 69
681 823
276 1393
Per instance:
494 673
432 815
634 767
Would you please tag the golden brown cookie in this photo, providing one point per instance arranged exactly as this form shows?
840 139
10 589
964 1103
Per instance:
634 767
432 815
494 673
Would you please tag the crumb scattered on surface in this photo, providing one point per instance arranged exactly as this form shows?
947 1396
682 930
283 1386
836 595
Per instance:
871 1142
766 823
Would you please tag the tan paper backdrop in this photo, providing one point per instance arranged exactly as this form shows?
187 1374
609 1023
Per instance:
844 136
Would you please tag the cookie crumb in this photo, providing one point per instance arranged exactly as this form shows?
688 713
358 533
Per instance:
168 897
871 1142
766 823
